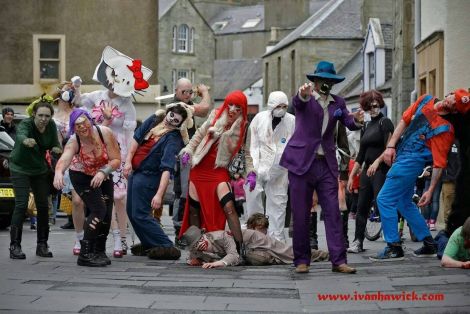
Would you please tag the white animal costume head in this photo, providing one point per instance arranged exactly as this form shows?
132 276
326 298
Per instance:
120 73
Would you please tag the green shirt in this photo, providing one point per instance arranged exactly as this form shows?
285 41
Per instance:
32 160
455 248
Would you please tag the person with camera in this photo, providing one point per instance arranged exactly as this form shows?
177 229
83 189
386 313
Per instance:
310 158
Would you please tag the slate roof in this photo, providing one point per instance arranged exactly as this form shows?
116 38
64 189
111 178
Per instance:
164 6
235 74
237 16
337 19
382 34
352 71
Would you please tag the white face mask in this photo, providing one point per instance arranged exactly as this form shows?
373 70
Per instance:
173 119
279 112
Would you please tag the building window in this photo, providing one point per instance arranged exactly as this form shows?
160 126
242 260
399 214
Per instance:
218 26
371 63
250 23
174 36
49 58
183 38
191 40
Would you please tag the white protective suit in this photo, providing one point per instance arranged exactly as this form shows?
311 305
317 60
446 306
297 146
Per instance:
266 148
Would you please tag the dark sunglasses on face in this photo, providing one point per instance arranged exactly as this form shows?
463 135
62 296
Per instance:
187 92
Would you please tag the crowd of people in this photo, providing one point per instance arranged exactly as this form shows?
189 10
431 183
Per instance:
293 158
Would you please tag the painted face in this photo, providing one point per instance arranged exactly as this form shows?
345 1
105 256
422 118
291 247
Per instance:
324 87
234 111
8 117
184 92
83 126
42 117
202 244
174 119
374 109
447 105
280 111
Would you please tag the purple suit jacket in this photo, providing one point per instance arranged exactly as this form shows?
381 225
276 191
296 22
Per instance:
301 148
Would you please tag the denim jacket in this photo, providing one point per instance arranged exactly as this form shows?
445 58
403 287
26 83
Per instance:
162 156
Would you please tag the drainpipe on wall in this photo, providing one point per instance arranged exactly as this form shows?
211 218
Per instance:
414 93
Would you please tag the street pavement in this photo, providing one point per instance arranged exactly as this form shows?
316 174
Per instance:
140 285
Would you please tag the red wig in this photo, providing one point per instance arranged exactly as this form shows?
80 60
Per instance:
236 98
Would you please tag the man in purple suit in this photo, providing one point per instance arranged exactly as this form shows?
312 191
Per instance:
310 157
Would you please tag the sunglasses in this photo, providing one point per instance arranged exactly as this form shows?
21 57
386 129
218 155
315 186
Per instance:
187 92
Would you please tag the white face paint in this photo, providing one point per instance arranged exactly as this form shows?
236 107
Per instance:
374 109
174 119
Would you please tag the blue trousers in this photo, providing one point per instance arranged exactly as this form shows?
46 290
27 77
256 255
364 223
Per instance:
396 195
321 179
140 191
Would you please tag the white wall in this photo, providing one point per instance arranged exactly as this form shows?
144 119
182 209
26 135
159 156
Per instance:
451 17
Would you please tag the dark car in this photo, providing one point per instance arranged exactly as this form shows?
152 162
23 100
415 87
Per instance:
7 196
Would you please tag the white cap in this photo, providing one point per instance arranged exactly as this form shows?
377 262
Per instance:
276 98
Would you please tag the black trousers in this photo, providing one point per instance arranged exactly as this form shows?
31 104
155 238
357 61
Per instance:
369 188
99 201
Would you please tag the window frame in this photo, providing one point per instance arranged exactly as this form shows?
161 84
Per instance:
37 38
182 40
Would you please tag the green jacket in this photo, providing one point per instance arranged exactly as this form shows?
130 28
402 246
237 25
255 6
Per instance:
32 160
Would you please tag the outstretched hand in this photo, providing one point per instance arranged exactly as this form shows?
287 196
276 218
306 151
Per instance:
251 180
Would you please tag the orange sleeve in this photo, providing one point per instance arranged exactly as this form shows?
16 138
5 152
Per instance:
440 146
410 111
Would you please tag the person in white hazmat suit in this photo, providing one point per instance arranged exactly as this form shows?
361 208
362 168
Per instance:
270 131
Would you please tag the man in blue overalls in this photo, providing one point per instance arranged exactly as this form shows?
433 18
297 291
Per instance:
427 137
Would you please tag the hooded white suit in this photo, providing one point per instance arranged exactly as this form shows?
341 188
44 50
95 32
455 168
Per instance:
266 148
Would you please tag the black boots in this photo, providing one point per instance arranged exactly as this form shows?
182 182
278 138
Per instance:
68 224
15 242
42 249
313 231
100 243
194 213
87 256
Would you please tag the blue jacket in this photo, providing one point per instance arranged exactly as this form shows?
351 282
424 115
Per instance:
162 156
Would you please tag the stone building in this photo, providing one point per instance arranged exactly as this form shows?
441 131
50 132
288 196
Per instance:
186 45
49 41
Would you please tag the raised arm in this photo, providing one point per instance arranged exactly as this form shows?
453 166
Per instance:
202 108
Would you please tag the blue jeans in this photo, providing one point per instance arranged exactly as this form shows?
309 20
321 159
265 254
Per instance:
140 191
396 195
432 210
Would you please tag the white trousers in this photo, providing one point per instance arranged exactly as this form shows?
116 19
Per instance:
276 201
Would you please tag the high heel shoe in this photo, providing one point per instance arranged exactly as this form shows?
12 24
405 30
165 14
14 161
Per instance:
76 248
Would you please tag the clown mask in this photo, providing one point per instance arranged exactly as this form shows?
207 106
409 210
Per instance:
174 119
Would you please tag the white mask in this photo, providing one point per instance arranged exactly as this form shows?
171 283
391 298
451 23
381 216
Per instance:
173 119
279 112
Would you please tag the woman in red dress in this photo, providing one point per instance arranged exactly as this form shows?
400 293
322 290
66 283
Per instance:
216 142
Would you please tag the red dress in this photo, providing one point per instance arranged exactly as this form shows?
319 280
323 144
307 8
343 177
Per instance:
206 178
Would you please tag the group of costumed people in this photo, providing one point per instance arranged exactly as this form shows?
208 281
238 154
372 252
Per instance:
117 172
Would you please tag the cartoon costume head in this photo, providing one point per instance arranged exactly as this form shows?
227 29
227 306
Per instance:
121 74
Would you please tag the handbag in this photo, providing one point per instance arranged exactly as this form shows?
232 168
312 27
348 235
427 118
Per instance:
238 163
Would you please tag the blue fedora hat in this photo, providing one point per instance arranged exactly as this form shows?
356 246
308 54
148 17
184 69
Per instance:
325 70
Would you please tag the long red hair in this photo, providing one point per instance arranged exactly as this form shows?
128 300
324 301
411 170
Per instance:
239 99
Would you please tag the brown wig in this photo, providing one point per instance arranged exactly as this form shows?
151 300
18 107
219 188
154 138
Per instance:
370 96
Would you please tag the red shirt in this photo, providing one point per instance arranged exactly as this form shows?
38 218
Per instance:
439 144
142 152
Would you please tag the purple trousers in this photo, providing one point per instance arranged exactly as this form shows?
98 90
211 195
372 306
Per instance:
320 179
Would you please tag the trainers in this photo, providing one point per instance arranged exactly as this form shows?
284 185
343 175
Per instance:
426 251
344 268
390 253
432 225
356 247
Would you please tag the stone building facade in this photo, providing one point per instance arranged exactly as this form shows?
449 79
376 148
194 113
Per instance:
48 41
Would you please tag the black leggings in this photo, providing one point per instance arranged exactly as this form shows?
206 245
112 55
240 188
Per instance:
99 201
368 191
